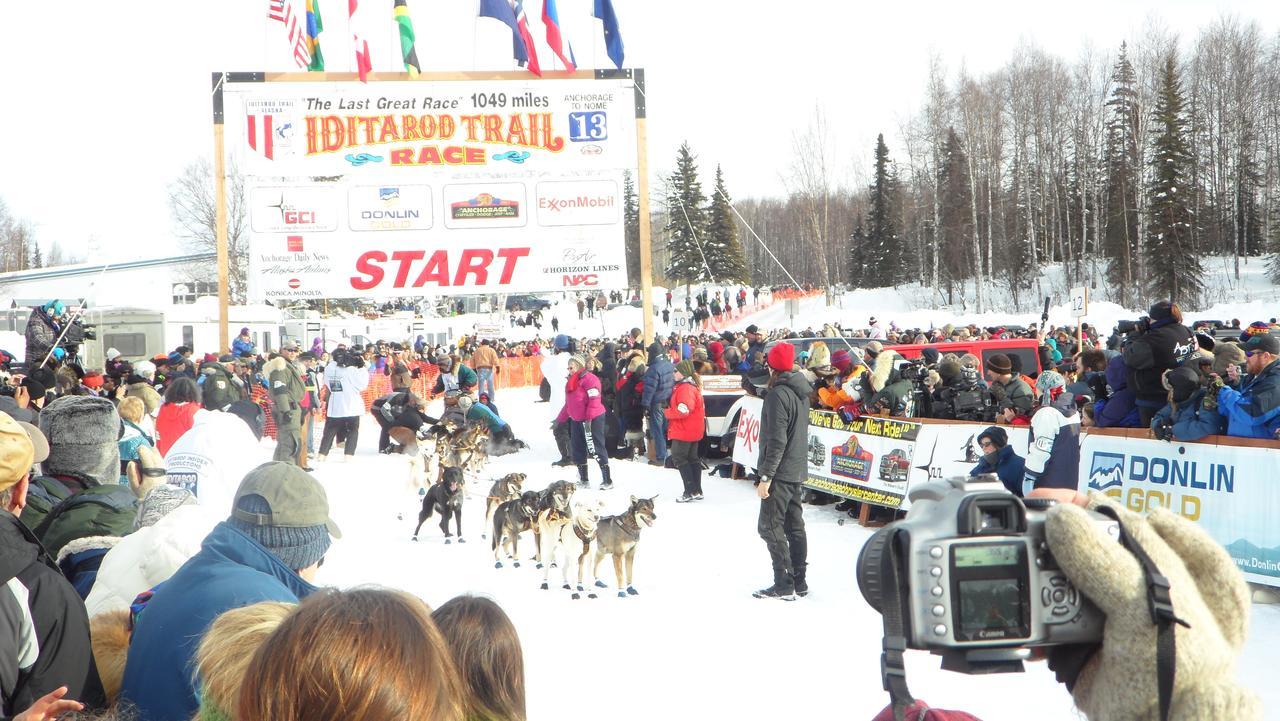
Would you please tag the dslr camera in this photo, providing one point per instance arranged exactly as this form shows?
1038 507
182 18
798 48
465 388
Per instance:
974 578
1134 327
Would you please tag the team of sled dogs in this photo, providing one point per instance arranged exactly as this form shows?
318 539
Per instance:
565 532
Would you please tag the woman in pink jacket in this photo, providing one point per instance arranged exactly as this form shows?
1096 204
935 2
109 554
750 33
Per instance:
582 406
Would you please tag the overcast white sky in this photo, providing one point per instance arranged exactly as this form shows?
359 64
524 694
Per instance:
104 103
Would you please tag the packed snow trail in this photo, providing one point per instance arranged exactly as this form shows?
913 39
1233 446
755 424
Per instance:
694 643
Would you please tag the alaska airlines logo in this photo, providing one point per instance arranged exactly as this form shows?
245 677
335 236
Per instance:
1106 471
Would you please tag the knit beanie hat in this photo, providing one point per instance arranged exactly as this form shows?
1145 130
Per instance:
579 359
999 363
686 368
842 360
1049 380
782 357
1257 327
296 547
82 433
159 502
1182 382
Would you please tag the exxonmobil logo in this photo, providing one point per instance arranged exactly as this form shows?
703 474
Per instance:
580 280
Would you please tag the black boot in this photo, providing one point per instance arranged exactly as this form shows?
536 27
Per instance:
782 588
695 480
583 480
608 479
799 583
687 495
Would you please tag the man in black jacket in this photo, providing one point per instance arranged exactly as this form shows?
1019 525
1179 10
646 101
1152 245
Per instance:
1164 345
784 430
44 641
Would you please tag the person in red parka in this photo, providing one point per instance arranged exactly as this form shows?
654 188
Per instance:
686 424
583 406
178 414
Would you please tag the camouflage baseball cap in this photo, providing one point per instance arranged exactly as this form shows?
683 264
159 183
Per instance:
296 499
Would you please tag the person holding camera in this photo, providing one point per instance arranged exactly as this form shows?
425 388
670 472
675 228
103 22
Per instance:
1187 417
1009 391
998 458
1252 411
1154 346
784 430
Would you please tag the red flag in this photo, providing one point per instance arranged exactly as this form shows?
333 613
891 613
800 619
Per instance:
551 19
522 22
363 64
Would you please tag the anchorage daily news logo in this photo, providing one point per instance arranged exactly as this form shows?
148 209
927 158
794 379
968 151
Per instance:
1106 471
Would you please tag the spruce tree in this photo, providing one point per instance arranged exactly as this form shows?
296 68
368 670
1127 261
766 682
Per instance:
1175 271
956 229
860 269
720 243
686 225
631 221
883 256
36 260
1120 241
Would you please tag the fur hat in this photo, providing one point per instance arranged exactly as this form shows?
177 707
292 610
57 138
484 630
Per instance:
820 359
883 370
1227 354
949 368
82 433
872 349
996 435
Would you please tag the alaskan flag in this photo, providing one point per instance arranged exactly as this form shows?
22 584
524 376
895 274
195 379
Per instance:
551 19
612 38
504 11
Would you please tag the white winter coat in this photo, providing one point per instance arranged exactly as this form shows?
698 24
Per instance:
345 384
148 556
213 457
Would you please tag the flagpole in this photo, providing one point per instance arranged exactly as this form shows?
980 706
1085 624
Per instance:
642 186
220 204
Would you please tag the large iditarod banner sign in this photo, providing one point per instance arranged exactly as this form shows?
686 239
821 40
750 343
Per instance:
432 187
1231 491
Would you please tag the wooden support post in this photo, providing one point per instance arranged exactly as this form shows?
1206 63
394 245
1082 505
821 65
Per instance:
220 230
642 189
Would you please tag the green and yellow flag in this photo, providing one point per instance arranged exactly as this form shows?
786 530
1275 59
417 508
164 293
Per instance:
314 27
406 39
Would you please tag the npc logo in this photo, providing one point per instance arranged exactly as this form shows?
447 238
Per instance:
1106 470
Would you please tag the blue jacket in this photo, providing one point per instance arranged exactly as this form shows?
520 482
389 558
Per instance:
1121 409
1254 410
659 381
1010 468
239 347
1192 422
231 570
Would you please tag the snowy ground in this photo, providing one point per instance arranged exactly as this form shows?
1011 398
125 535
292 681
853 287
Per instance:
694 643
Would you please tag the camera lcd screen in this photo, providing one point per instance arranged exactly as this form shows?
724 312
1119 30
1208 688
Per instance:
978 556
990 605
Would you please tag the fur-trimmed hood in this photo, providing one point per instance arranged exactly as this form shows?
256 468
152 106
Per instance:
275 364
882 373
88 543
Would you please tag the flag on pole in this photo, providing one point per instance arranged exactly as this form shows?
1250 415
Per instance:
551 19
315 26
522 22
407 49
505 11
612 38
282 11
363 64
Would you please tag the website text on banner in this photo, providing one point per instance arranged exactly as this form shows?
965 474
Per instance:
433 187
1229 487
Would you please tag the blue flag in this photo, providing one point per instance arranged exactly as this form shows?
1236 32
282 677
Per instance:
612 38
502 10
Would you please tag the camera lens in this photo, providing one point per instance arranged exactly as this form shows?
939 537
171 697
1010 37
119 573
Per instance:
870 578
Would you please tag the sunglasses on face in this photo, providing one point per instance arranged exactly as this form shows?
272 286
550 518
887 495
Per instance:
986 444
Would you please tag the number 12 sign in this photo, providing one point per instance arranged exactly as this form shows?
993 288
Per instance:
1079 302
